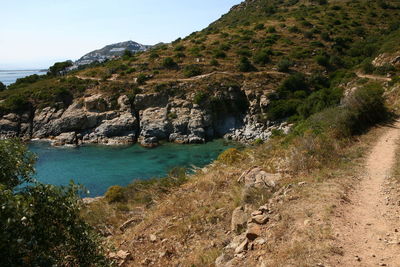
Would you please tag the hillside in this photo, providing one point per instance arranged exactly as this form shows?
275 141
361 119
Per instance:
297 47
311 86
110 52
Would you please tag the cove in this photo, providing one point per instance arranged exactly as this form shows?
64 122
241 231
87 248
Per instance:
99 167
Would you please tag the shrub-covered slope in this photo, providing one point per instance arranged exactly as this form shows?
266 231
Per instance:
329 68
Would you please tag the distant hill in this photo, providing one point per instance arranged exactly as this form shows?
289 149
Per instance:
110 52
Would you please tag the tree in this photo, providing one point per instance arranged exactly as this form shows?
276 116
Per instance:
169 63
40 225
2 86
59 68
127 53
245 65
17 164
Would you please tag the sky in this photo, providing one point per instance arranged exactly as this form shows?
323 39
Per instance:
37 33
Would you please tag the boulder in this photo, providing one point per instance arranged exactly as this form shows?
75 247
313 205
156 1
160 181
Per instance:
125 124
145 101
148 142
178 138
260 219
124 104
258 178
154 123
95 103
8 126
253 231
65 139
239 219
242 247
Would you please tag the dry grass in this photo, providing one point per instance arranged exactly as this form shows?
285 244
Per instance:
192 221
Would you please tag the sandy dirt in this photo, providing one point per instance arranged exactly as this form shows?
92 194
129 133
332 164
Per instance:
367 226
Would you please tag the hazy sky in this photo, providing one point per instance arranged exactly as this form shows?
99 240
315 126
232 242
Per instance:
36 33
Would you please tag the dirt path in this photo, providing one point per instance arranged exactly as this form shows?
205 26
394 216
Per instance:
365 227
373 77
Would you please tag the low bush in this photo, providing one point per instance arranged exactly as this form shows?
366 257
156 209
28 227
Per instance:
169 63
142 78
115 194
361 110
2 86
192 70
219 54
146 191
230 156
262 57
284 65
40 225
245 65
200 97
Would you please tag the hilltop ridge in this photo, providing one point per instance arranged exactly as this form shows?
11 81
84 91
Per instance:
111 51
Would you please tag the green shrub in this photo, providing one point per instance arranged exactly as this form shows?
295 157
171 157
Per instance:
325 36
271 29
127 54
154 55
259 27
367 67
214 63
262 57
180 48
363 109
319 101
130 71
192 70
294 29
219 54
27 80
385 69
295 82
115 194
16 103
180 55
277 133
199 97
322 60
141 79
169 63
59 68
230 156
284 65
2 87
258 141
224 47
12 155
40 225
245 65
281 109
244 52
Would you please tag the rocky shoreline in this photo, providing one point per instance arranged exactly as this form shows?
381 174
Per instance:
147 120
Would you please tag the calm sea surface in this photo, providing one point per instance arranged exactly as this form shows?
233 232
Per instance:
99 167
10 76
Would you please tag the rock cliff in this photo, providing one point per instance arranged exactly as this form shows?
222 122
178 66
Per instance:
145 118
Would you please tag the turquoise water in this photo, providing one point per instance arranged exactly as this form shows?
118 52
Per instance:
99 167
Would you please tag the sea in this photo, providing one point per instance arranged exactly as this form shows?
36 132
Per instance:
99 167
8 77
